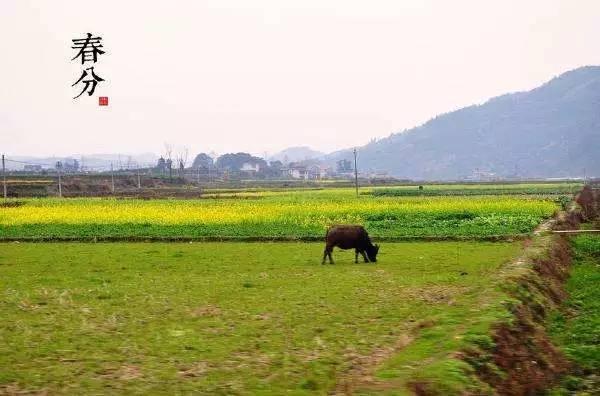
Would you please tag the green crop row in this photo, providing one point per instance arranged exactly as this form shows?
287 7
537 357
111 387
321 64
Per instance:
478 189
278 215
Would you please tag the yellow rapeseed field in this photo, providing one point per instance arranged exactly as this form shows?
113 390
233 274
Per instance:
279 214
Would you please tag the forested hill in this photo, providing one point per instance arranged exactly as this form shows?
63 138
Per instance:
550 131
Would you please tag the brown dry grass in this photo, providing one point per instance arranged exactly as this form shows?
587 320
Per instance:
529 362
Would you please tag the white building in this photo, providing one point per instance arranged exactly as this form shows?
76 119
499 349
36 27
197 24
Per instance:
250 167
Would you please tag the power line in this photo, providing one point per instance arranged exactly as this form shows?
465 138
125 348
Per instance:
26 162
92 168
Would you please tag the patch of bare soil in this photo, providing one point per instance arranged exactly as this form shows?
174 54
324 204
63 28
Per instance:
194 370
568 220
434 294
206 311
16 390
126 372
129 372
360 375
588 201
11 204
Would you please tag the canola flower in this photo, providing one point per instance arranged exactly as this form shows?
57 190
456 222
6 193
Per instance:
280 214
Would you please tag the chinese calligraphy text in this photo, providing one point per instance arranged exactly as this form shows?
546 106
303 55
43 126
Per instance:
90 48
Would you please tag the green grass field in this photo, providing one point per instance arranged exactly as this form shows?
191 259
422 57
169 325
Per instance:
576 328
240 318
274 215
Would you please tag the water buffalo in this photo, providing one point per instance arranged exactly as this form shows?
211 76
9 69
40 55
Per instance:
350 237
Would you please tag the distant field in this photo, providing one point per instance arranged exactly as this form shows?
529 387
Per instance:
29 181
479 189
283 215
240 318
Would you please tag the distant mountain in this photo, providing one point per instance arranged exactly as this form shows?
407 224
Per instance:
550 131
90 162
19 162
294 154
143 157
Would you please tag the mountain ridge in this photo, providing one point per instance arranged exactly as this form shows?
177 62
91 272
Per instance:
549 131
296 153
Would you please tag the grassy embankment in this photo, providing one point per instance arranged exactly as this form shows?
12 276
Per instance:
576 327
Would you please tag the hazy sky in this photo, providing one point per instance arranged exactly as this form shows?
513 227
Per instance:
260 76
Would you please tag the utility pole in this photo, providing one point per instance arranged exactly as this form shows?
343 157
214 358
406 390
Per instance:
355 173
138 178
58 168
4 177
112 178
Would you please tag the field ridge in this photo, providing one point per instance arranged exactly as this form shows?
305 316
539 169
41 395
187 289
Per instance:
522 359
406 238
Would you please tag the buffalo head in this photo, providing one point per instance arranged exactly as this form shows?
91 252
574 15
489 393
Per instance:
372 253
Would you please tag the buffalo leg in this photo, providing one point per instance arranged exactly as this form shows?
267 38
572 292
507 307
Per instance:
327 253
364 256
355 256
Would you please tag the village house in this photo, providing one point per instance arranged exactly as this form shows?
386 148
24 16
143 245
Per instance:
297 172
32 168
306 172
253 167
